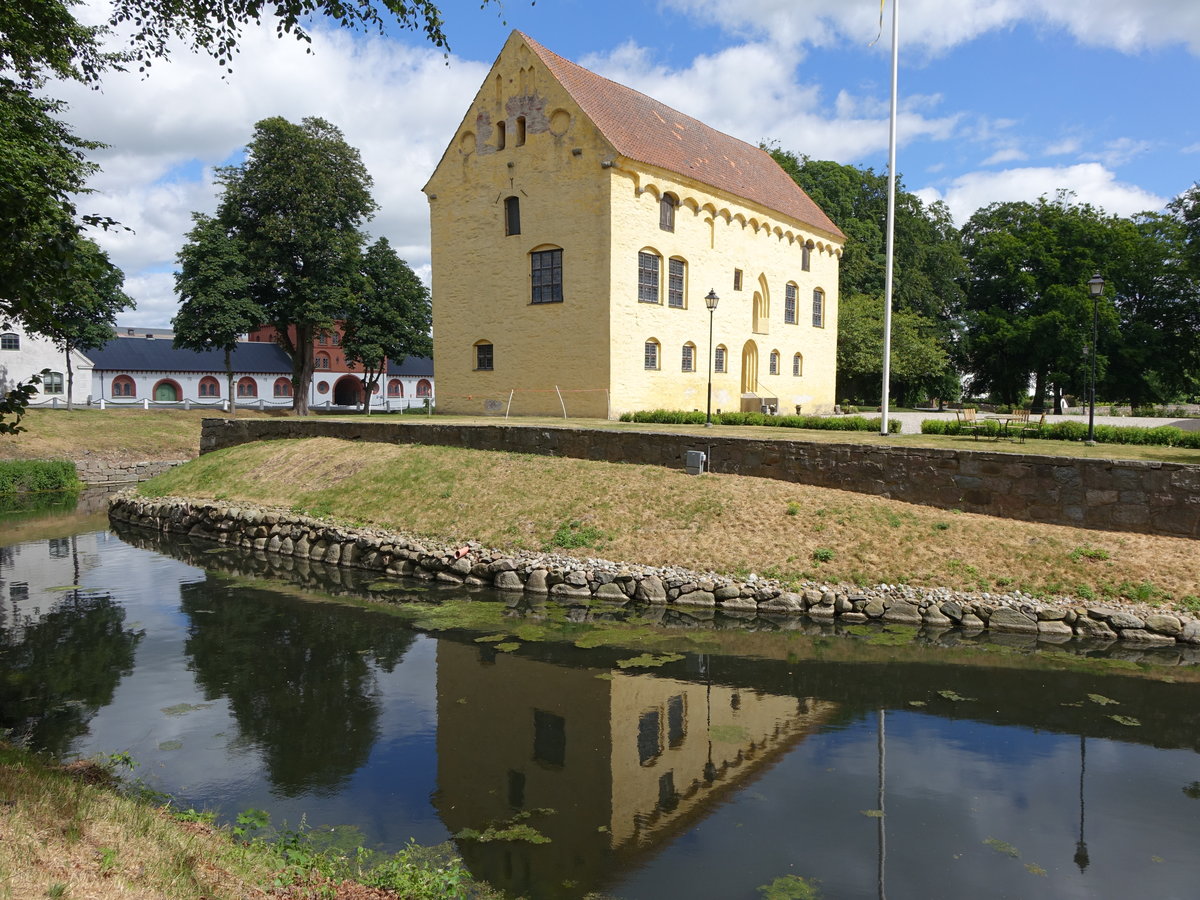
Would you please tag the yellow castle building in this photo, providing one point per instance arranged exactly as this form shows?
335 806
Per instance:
578 227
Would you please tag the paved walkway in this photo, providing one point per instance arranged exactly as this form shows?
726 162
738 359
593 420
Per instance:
912 420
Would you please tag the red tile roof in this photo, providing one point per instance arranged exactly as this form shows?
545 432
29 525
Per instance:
642 129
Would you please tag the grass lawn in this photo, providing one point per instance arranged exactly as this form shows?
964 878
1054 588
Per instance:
656 516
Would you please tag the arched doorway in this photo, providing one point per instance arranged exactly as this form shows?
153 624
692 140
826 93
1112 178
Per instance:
750 368
347 391
166 391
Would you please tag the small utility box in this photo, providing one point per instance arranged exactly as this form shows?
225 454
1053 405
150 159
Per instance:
696 461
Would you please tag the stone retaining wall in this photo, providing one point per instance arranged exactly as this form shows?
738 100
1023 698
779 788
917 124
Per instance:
98 472
586 581
1115 495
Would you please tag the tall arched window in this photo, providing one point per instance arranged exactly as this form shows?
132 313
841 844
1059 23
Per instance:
688 357
247 387
649 267
210 387
666 212
818 308
719 359
798 365
676 283
124 386
512 215
773 363
546 275
790 301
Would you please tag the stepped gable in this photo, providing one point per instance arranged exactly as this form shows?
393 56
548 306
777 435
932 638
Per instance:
650 132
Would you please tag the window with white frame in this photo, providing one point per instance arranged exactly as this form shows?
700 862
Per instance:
52 383
651 354
10 342
676 276
648 275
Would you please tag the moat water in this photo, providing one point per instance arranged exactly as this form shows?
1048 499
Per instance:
708 766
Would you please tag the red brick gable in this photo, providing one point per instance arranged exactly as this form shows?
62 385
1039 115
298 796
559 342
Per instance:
642 129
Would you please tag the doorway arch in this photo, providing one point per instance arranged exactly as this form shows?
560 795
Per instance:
347 391
750 368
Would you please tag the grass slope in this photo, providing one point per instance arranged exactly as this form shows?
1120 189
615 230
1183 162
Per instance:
729 524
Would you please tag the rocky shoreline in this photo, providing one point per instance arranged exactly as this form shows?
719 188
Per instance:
580 581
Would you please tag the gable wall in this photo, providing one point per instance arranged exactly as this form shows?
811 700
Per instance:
481 276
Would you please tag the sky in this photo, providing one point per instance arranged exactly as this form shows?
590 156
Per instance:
999 100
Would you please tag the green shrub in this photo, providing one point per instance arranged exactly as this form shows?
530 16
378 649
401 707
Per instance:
817 423
37 475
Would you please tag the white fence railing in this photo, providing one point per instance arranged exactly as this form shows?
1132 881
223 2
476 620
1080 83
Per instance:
391 404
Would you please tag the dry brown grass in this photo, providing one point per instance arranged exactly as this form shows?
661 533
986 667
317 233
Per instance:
728 524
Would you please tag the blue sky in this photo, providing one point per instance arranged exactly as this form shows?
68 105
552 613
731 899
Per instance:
1000 100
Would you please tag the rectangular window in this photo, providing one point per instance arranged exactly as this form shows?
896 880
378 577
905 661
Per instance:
512 216
10 342
676 721
649 737
52 383
520 136
689 358
675 270
483 357
547 276
737 279
818 309
651 354
719 360
549 738
648 278
789 305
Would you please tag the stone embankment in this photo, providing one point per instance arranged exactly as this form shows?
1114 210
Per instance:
583 581
100 471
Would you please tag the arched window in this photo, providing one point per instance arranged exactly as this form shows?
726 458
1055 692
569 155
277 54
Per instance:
773 363
52 383
247 387
790 300
335 339
210 387
806 256
666 212
10 341
651 354
166 391
321 360
512 215
395 388
123 386
283 387
818 308
798 364
424 388
688 358
676 279
719 359
649 266
323 339
485 358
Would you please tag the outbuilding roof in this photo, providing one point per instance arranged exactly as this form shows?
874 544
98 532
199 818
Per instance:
412 366
131 354
643 129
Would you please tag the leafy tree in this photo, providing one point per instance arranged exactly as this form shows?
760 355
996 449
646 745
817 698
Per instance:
919 364
293 211
388 319
216 307
84 309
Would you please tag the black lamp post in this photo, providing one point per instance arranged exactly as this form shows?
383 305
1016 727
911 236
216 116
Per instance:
711 302
1096 288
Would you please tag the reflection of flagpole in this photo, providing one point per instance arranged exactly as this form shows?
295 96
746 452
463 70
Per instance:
891 225
882 811
1081 851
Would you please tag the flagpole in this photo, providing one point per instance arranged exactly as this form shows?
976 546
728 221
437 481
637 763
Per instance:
891 226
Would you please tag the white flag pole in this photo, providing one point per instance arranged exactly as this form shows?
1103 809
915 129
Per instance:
891 225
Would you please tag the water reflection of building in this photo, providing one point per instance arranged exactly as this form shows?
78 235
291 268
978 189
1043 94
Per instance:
33 575
626 760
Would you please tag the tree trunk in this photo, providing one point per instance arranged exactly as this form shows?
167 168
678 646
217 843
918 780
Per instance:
1039 390
302 366
229 388
70 379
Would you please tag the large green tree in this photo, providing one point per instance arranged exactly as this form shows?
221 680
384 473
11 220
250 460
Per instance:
294 210
216 308
920 365
388 319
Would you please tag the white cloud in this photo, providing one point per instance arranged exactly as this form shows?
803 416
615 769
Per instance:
397 104
1091 182
1120 151
928 26
1007 154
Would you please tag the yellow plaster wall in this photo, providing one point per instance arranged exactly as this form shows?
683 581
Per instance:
481 277
716 235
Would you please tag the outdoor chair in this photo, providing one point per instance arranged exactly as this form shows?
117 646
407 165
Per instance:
967 421
1034 428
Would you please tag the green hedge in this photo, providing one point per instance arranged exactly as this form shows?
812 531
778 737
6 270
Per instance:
817 423
27 475
1163 435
